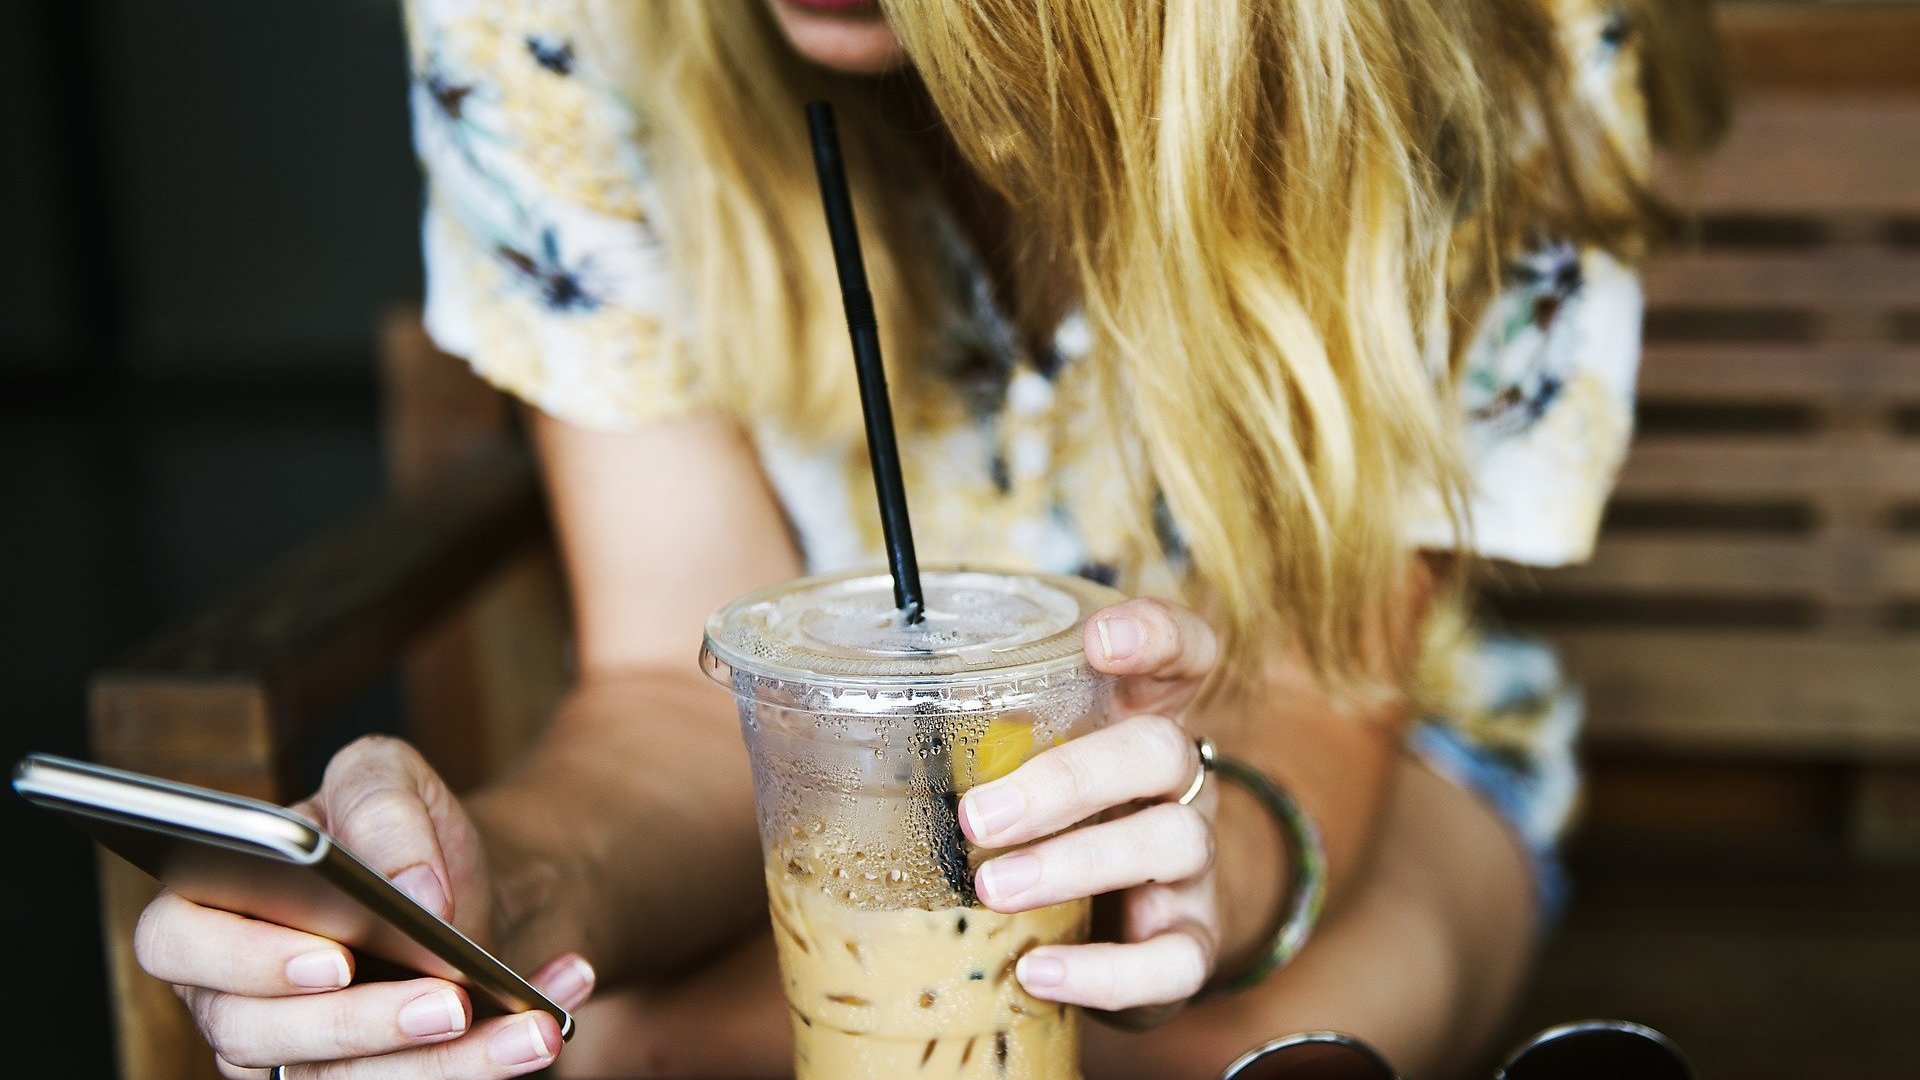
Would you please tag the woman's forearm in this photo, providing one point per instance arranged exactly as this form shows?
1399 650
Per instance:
1336 756
629 833
1339 766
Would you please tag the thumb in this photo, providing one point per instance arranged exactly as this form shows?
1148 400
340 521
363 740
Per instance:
378 799
1165 651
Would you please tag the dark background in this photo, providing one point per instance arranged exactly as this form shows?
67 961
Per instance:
205 207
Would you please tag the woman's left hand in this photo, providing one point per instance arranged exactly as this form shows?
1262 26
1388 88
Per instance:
1159 857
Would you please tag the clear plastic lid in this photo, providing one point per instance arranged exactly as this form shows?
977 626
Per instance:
841 631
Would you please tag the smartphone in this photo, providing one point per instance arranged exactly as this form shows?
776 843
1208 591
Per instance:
260 860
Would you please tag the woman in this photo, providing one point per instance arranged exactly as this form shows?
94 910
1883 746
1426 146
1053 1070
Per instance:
1265 312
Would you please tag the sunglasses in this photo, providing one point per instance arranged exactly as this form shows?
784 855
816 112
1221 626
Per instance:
1587 1050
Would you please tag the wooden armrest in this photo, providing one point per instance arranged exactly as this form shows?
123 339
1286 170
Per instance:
221 697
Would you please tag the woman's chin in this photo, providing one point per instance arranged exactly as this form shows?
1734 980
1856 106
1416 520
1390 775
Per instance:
848 37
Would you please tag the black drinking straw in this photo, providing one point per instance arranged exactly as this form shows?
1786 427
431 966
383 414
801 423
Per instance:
882 449
936 766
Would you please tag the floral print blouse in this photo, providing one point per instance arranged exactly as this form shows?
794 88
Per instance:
545 273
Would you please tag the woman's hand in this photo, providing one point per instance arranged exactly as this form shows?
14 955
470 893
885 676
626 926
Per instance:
265 995
1159 857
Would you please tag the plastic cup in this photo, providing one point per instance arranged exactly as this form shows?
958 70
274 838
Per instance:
863 732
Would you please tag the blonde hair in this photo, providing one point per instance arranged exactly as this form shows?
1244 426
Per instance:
1279 216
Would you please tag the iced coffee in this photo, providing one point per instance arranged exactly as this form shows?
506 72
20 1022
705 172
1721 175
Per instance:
864 731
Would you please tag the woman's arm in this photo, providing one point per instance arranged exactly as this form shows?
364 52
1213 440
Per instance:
628 834
1338 761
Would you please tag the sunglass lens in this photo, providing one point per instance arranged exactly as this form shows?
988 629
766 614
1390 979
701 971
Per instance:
1601 1051
1328 1058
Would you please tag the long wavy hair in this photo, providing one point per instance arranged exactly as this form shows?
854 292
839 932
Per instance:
1281 219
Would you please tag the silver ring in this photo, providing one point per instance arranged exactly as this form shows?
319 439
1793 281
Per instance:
279 1073
1205 746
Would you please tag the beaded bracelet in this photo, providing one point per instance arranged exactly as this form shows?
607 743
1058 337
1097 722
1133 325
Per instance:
1294 922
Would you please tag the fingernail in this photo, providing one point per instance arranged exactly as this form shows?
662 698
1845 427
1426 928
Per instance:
572 983
520 1043
321 969
438 1013
423 887
1119 638
992 809
1009 875
1040 972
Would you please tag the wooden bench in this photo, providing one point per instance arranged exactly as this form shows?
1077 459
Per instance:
1755 600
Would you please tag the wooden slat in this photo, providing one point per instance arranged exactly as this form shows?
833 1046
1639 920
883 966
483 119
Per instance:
1901 562
215 730
1720 468
1886 813
1710 798
1750 692
1674 564
1776 374
1808 154
1833 277
1816 47
1715 565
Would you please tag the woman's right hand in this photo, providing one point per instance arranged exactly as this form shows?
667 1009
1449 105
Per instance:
265 995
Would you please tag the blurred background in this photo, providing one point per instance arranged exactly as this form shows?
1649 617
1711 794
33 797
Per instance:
209 213
204 207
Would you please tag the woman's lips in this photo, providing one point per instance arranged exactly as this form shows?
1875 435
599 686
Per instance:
833 5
